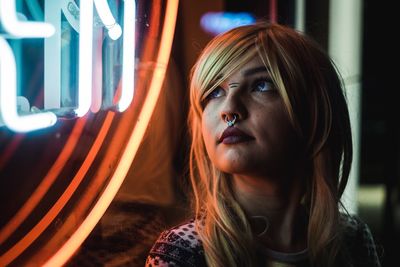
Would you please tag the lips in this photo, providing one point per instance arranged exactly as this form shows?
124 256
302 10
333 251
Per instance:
233 135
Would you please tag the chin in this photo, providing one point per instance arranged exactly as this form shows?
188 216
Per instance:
234 168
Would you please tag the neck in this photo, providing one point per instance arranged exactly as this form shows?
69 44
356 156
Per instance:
278 200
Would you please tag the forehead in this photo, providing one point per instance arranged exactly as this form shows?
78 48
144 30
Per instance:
251 67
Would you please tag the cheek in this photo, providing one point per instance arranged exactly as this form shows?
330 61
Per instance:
282 136
275 129
208 128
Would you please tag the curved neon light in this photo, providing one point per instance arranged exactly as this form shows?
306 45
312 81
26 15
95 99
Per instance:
128 61
45 184
72 244
23 29
34 233
8 97
103 9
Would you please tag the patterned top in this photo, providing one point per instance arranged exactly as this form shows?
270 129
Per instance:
180 246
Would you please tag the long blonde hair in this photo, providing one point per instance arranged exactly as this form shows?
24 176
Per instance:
311 90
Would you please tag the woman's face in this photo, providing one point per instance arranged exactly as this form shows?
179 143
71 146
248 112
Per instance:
262 141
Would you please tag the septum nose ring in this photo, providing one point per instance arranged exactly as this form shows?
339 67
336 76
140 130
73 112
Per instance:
231 122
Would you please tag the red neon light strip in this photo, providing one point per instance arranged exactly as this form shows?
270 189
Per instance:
30 237
105 199
46 183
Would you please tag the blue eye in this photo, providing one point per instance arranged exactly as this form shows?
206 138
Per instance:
217 92
263 85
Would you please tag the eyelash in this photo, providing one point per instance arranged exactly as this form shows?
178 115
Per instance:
215 91
267 81
210 96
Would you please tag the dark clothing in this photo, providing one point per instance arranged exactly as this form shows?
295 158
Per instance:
181 246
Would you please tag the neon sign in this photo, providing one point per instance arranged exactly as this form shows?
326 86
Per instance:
83 21
23 247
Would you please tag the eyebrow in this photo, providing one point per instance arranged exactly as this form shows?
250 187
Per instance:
255 70
248 72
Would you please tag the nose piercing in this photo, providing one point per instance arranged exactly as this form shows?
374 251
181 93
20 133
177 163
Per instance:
231 122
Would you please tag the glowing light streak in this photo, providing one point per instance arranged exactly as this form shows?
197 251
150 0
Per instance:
23 29
45 184
114 30
52 54
8 96
33 234
128 61
129 153
97 92
85 57
52 57
66 251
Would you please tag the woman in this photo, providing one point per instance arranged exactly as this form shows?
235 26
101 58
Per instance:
270 157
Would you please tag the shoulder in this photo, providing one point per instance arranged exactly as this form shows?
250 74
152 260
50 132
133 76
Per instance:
178 246
359 241
357 230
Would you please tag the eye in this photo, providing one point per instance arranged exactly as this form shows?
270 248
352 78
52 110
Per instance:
263 85
217 92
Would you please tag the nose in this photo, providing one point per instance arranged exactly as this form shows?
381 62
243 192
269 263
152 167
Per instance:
233 110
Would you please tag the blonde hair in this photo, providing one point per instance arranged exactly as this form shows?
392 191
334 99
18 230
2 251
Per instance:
311 90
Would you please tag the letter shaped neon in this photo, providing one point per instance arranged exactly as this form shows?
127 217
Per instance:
85 57
53 55
8 75
23 29
104 11
128 60
86 53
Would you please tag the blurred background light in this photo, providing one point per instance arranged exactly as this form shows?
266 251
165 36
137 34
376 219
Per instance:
218 22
